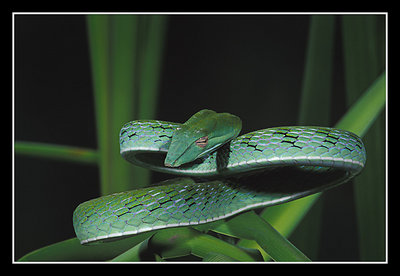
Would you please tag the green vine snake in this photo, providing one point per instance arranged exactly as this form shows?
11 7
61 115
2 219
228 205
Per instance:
221 173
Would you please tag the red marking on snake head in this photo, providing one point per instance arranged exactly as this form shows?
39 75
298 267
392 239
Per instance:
202 142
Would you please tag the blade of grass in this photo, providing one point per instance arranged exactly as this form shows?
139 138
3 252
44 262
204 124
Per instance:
125 86
363 113
362 44
358 115
171 243
151 66
258 229
99 37
317 80
72 250
112 41
56 152
285 217
370 196
123 76
137 253
203 244
315 110
153 29
217 257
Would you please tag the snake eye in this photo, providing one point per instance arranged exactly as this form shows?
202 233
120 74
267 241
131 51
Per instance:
202 142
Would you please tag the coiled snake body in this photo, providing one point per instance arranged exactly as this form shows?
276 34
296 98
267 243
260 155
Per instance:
217 171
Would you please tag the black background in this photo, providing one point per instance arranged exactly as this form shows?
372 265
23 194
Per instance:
248 65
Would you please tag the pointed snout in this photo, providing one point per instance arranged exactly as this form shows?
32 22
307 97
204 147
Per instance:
170 162
169 165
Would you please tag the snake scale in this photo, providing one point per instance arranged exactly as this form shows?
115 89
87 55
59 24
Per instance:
220 173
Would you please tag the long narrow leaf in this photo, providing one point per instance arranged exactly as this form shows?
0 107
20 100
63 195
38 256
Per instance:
217 257
136 253
151 62
363 113
56 152
258 229
317 80
126 57
362 43
153 29
123 88
98 34
72 250
315 109
359 112
278 215
170 243
112 47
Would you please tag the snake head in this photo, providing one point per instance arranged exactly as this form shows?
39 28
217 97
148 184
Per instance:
202 134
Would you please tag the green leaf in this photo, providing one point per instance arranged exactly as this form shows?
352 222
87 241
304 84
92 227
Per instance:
317 79
177 242
56 152
126 53
285 217
123 78
72 250
99 37
217 257
315 106
137 253
366 110
251 226
112 41
363 41
152 34
151 61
